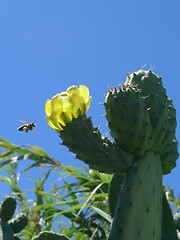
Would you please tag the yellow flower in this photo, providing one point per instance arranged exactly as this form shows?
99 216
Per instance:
65 106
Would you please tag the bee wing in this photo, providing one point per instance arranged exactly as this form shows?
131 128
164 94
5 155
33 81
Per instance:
23 121
21 128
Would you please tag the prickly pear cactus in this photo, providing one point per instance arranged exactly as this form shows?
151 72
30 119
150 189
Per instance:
130 126
10 225
46 235
177 220
142 121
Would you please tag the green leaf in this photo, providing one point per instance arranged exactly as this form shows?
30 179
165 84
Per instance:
103 214
39 151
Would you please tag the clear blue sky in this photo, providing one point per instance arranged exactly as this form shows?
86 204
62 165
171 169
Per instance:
46 46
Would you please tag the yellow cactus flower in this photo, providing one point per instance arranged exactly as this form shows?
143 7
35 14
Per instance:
65 106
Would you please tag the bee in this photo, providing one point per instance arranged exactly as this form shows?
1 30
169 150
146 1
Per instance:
27 126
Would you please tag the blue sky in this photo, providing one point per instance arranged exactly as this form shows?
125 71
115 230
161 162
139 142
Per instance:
47 46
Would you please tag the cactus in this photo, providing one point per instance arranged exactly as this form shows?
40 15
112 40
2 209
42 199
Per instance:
7 208
142 121
46 235
10 225
177 220
18 223
168 224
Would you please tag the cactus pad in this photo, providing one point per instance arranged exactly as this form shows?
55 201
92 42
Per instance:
128 119
18 223
8 225
141 118
97 151
138 212
7 208
46 235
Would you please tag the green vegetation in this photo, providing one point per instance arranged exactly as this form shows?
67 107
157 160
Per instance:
125 198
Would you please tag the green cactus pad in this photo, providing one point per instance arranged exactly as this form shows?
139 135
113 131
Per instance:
7 208
162 115
46 235
6 232
18 223
171 127
138 212
97 151
128 120
170 156
156 99
114 189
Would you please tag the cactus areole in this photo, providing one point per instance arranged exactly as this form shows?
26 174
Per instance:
142 122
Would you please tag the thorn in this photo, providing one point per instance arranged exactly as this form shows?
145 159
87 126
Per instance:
115 97
143 66
144 97
151 67
144 78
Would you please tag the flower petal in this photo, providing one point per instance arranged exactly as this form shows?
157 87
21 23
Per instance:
48 107
65 106
72 90
84 91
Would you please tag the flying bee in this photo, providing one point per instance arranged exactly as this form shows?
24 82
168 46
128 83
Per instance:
27 126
